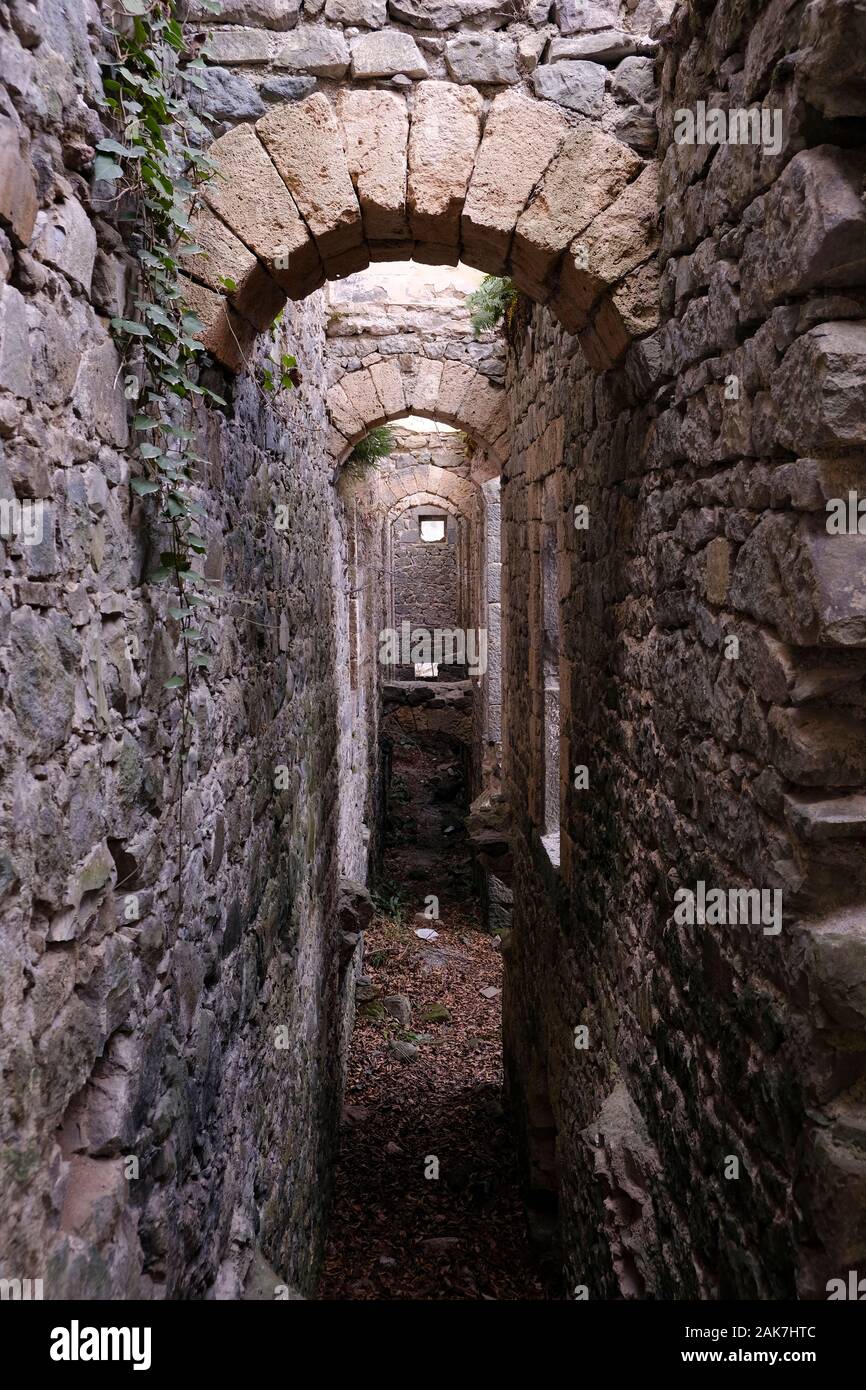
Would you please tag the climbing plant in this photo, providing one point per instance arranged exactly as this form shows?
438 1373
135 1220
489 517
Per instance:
157 169
494 300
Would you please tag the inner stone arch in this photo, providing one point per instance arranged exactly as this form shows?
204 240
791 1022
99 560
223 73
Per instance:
317 189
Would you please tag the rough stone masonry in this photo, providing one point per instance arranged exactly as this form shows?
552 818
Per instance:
685 377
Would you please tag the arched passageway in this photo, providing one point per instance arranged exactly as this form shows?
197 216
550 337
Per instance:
671 434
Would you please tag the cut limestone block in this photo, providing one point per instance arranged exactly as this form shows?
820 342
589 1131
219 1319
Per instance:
388 381
376 127
454 385
443 143
422 394
252 199
385 54
228 337
521 138
616 242
304 142
257 297
590 171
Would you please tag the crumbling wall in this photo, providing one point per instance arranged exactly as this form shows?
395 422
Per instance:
701 1084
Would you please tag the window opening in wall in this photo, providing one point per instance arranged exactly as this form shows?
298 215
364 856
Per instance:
432 529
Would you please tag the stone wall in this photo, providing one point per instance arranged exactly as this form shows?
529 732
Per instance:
705 1134
595 60
170 1079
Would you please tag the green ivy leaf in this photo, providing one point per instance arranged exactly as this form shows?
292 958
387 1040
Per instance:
135 330
174 683
105 170
202 659
144 486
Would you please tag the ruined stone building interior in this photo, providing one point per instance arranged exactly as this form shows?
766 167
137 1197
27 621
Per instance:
447 879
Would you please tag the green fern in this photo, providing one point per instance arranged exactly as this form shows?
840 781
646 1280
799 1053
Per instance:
378 444
491 302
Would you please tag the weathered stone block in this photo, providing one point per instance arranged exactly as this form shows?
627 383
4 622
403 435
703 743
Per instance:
98 394
376 129
521 138
371 14
238 45
304 141
482 58
15 364
227 96
590 171
386 53
314 49
819 390
603 46
813 232
18 201
251 197
441 14
44 659
443 141
576 85
271 14
66 239
818 749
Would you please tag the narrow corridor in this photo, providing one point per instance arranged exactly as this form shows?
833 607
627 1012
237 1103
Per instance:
427 1202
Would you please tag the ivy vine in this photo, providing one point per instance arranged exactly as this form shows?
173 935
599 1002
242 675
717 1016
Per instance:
158 169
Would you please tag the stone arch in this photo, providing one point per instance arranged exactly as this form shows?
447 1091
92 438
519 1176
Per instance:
315 190
449 392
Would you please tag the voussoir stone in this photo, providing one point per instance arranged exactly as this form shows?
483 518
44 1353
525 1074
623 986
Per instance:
257 296
315 49
590 171
304 141
224 333
252 199
615 243
270 14
376 129
441 14
18 201
482 58
577 85
385 53
443 142
521 138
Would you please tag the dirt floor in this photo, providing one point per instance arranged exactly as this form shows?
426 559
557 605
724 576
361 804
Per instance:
427 1204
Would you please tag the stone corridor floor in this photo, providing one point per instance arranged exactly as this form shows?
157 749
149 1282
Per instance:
427 1204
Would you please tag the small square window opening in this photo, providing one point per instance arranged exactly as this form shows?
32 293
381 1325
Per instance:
432 528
